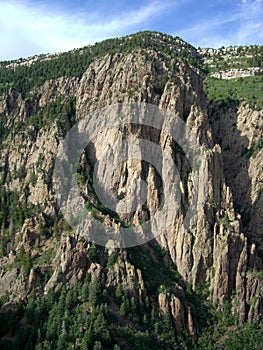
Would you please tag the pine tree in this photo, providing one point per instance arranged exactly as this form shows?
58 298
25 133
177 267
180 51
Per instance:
93 291
97 346
123 308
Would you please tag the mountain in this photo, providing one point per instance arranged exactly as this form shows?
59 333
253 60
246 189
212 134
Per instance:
198 285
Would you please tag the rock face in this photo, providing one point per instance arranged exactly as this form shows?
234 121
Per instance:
220 247
236 129
235 73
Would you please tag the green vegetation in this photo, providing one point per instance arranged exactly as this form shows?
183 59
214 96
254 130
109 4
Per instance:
92 316
81 317
256 274
63 110
93 204
151 261
46 257
256 147
248 89
247 337
212 202
226 333
225 221
23 260
13 211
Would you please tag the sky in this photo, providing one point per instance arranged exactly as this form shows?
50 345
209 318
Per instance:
29 27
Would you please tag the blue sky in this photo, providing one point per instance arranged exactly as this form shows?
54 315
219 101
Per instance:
29 27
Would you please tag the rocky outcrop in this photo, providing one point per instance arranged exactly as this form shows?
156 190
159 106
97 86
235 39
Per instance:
237 130
235 73
181 313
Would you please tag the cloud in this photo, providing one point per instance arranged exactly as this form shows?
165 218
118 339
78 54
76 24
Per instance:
27 28
242 25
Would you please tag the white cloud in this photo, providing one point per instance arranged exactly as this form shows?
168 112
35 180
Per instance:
243 26
27 28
